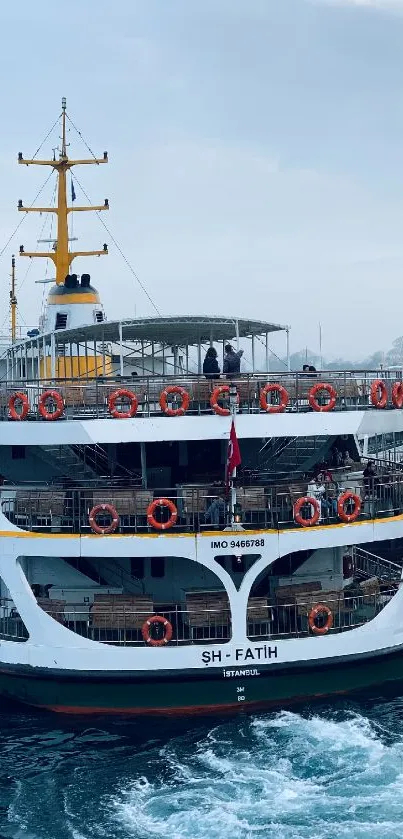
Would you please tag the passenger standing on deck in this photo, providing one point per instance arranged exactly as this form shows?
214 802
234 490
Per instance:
211 369
232 361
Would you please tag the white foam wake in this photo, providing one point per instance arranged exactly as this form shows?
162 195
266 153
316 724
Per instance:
282 776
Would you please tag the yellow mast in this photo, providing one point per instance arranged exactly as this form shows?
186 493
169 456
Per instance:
62 256
13 302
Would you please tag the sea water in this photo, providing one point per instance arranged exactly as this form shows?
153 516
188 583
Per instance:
320 771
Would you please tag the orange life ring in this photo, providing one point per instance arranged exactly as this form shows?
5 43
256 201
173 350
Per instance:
307 499
103 508
162 502
145 631
320 609
174 412
397 394
57 399
328 388
217 392
284 398
348 496
379 394
18 397
122 393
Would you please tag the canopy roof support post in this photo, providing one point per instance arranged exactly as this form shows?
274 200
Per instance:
7 367
163 359
142 357
175 349
288 349
237 333
199 361
71 363
45 361
52 356
143 458
121 348
152 358
86 359
95 366
25 361
253 353
267 353
103 354
187 359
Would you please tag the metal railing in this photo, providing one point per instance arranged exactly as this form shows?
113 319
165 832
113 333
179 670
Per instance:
89 398
198 509
367 564
125 627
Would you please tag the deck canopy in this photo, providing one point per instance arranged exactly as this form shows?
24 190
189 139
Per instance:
149 345
177 331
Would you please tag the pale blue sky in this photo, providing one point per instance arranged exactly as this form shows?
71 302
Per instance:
256 155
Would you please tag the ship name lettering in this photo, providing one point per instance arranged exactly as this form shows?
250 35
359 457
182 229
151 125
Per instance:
253 653
210 656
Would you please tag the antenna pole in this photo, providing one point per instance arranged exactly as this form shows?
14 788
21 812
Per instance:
13 302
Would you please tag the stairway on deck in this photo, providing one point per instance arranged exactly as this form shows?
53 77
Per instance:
295 454
67 463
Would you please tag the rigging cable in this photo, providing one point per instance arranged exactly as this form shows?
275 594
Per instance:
25 215
118 248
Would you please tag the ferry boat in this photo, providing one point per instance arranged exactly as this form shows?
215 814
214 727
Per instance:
172 543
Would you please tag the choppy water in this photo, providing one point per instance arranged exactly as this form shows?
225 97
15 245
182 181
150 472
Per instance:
324 772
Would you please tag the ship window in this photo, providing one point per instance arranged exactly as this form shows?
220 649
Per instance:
157 566
99 316
137 567
61 320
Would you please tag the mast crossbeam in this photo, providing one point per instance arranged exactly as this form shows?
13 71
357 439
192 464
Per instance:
62 257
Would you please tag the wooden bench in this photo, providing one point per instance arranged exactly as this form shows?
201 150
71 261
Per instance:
120 611
208 614
54 608
259 616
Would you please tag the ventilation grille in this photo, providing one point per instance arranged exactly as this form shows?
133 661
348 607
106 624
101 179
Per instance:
61 320
99 316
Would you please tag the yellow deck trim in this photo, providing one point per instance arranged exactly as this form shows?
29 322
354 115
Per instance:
240 534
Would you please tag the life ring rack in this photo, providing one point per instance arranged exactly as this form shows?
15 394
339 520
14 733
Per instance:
146 633
217 392
57 399
23 399
283 396
299 504
103 508
379 394
320 609
174 412
162 502
122 393
329 389
347 496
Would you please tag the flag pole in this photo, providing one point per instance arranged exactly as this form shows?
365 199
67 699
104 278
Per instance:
233 393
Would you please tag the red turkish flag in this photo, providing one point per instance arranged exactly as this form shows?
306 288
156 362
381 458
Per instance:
233 455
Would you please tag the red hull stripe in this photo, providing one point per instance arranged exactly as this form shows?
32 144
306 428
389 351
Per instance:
191 709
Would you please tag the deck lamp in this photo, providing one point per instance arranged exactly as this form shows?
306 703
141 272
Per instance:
237 513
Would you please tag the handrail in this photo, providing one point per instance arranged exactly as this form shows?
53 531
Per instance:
108 623
362 557
201 508
88 398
